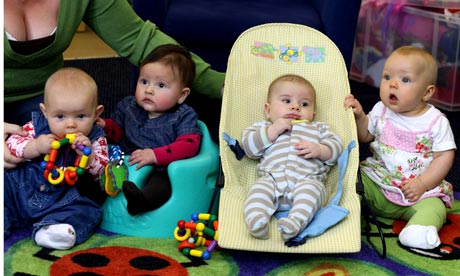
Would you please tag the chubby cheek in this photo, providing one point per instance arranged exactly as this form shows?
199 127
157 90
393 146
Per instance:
57 128
165 101
86 128
139 95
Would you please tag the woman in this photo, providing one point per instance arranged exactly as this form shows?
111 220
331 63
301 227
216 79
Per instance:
37 32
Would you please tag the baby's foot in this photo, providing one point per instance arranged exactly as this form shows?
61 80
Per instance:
56 236
134 197
420 236
259 228
288 227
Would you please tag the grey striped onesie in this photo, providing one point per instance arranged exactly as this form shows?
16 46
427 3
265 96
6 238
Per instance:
287 181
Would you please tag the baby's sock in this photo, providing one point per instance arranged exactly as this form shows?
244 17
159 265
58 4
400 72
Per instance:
56 236
419 236
134 197
288 227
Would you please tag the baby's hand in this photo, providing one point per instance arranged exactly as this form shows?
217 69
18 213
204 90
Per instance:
278 127
412 188
100 122
351 101
43 143
308 149
80 142
142 157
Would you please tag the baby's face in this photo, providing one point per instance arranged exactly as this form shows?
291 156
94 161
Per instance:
404 84
70 112
159 89
291 100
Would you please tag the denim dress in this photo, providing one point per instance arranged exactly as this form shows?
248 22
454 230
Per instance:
142 132
31 201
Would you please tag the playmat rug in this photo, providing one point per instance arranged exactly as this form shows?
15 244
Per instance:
112 254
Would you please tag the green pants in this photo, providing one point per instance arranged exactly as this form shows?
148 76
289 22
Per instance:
428 211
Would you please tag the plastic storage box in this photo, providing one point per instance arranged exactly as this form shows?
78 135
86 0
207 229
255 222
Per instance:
386 25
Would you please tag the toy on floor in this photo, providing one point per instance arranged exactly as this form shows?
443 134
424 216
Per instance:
195 233
70 174
115 172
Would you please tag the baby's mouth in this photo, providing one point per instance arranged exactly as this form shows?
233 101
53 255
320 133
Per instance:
147 100
393 98
293 116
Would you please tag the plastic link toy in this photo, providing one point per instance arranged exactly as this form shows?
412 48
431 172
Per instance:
195 233
69 175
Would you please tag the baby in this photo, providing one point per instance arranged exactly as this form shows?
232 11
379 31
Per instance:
296 153
58 215
413 148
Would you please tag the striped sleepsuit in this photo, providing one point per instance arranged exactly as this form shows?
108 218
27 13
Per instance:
287 181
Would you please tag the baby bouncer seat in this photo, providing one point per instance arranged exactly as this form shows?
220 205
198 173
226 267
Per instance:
192 183
258 56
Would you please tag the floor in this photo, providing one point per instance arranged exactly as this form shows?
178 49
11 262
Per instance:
86 44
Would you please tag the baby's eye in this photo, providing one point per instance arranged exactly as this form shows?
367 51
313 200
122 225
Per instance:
59 116
304 104
386 77
405 80
81 116
161 85
144 82
286 101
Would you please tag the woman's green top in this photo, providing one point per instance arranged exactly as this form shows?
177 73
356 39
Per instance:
116 23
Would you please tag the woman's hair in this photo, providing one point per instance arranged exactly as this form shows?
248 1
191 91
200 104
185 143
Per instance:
177 57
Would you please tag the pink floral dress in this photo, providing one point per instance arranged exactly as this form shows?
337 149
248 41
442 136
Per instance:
400 154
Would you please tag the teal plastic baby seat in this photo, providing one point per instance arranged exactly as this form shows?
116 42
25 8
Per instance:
193 181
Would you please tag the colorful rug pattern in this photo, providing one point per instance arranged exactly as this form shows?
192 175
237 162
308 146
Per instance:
109 254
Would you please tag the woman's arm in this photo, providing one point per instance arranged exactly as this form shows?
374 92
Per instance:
119 26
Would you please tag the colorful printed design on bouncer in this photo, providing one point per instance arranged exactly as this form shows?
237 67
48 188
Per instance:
195 233
115 172
69 175
289 53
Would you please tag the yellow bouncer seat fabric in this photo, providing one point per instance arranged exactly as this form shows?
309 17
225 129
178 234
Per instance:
260 55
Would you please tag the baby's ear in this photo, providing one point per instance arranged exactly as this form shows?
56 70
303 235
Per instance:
429 92
99 110
184 94
43 109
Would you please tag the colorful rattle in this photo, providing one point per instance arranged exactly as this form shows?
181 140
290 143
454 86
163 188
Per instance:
115 172
56 175
195 233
